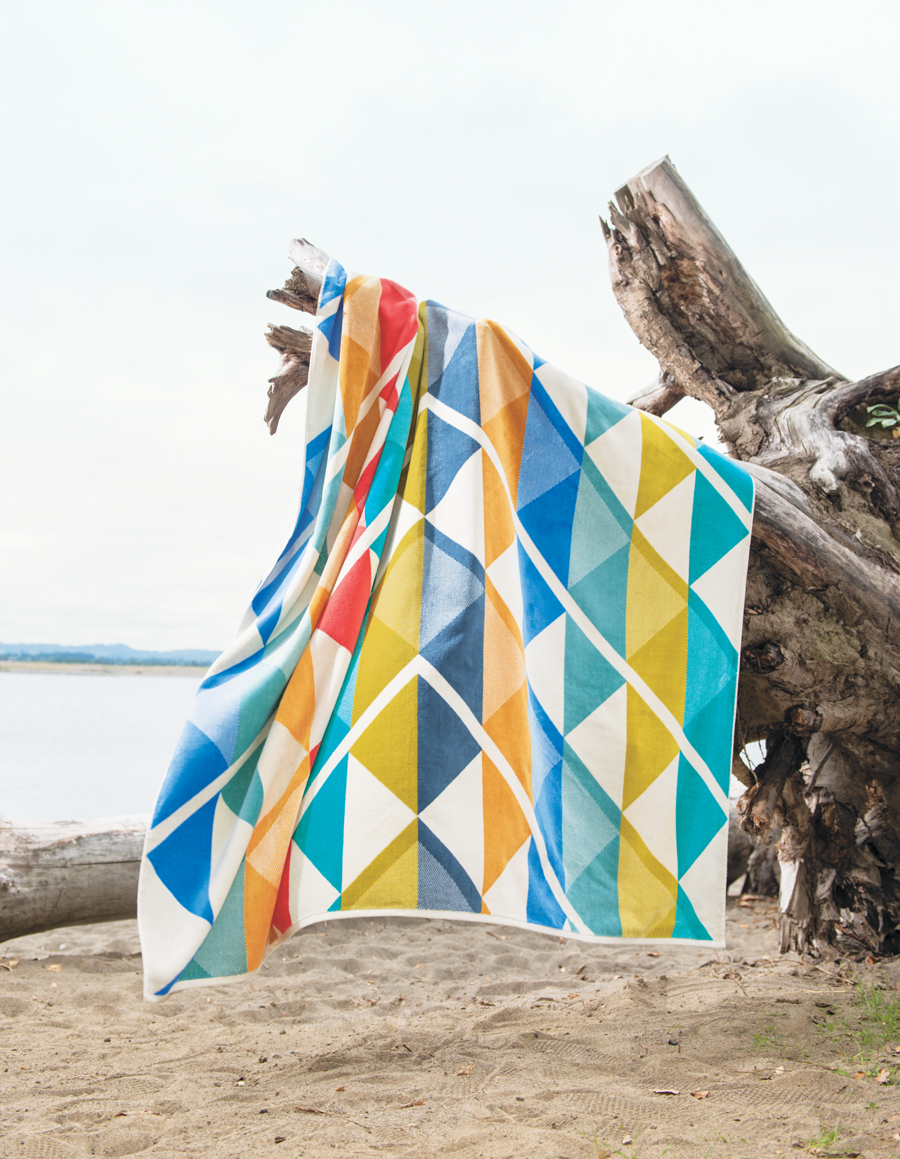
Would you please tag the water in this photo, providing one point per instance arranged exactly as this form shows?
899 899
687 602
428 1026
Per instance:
74 747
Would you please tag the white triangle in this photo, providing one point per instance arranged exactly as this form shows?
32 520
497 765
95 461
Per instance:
653 815
456 818
504 575
722 590
309 892
617 454
704 884
460 514
508 896
456 327
230 838
373 817
600 742
280 758
403 517
667 526
568 394
545 667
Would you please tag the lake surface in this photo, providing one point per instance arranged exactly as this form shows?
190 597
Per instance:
74 747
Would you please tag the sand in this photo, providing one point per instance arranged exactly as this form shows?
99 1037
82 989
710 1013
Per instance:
417 1038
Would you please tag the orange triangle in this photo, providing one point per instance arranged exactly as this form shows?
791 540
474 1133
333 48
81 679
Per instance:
505 826
506 430
499 528
510 731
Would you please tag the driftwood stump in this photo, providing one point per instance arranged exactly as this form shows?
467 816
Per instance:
820 661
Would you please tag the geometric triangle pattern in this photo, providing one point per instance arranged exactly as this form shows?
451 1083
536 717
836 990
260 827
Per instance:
491 676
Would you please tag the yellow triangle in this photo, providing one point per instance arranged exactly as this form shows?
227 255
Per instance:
662 662
398 601
656 594
649 748
389 746
648 892
391 881
412 487
383 655
663 466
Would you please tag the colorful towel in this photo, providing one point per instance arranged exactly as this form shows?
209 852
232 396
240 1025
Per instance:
491 676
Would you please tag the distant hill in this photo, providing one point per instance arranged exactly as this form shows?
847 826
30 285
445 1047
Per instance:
105 654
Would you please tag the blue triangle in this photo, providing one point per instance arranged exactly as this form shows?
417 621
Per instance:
590 679
443 883
453 379
547 458
196 763
183 860
715 528
445 745
548 520
457 652
320 834
687 924
448 449
699 816
541 908
541 607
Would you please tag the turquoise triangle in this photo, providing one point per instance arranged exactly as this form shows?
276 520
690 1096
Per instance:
699 816
715 529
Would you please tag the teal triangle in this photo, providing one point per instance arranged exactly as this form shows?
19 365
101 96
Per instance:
320 834
586 827
590 679
596 534
602 413
595 893
715 528
687 924
603 596
699 816
711 657
736 476
711 732
244 792
222 955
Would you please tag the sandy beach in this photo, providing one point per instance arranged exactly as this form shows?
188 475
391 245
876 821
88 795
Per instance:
410 1037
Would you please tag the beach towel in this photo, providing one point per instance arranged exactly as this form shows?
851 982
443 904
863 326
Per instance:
491 675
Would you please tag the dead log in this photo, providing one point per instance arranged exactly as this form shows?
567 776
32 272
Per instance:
820 662
68 873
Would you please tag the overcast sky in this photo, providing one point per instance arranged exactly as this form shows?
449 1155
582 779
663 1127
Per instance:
159 157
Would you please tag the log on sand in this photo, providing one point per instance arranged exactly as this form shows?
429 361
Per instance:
68 873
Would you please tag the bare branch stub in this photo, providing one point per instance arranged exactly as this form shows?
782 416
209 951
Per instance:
300 292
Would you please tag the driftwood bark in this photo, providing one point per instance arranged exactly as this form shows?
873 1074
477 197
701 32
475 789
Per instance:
68 873
300 292
820 661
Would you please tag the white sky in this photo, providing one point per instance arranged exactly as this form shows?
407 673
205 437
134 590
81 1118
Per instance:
159 157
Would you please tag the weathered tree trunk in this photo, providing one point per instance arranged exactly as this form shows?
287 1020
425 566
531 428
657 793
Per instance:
820 662
68 873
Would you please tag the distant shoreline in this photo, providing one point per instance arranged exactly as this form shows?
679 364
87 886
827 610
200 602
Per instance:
81 669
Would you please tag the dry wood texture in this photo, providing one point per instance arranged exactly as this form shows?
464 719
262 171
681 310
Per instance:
67 873
820 661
